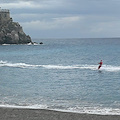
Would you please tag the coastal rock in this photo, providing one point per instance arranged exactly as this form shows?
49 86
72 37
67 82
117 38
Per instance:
11 32
41 43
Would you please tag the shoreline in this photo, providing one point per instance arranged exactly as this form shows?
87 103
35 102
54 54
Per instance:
44 114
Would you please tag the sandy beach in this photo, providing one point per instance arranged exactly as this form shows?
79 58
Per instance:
40 114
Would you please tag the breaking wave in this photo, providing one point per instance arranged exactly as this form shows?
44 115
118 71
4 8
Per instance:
84 110
85 66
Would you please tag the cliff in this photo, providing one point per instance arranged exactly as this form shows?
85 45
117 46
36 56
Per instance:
11 32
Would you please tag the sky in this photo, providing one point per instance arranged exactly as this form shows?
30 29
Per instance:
66 18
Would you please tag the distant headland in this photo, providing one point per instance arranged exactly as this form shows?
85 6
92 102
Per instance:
11 32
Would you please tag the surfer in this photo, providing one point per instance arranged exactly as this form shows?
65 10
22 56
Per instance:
100 64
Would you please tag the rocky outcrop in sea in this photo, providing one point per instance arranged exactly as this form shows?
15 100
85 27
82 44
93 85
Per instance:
11 32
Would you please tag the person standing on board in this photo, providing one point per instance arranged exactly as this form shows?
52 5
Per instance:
100 64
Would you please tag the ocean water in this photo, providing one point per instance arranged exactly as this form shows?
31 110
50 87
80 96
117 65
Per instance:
62 75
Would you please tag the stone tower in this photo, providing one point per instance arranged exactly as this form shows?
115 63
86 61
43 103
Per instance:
4 15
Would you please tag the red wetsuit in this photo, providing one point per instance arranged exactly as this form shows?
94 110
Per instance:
100 64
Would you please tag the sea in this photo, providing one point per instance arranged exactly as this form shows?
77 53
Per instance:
62 75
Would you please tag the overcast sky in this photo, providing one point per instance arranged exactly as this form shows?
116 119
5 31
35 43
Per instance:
66 18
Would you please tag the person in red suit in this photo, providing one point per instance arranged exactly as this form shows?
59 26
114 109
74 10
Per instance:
100 64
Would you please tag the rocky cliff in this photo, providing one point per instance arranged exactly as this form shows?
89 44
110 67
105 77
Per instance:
11 32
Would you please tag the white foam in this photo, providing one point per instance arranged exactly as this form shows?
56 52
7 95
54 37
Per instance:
8 64
59 67
94 110
108 68
88 110
27 107
5 44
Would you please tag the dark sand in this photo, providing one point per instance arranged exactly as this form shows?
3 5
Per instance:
33 114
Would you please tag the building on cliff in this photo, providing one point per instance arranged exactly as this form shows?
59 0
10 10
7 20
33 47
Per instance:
4 15
11 32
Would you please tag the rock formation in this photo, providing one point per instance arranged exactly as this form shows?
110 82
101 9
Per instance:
11 32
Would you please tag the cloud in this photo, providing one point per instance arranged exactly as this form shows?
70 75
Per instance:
81 18
83 7
21 4
76 26
53 23
111 27
29 4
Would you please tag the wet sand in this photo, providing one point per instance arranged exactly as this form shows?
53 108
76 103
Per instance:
40 114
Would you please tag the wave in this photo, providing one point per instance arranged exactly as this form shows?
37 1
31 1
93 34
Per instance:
84 110
20 65
62 67
92 110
